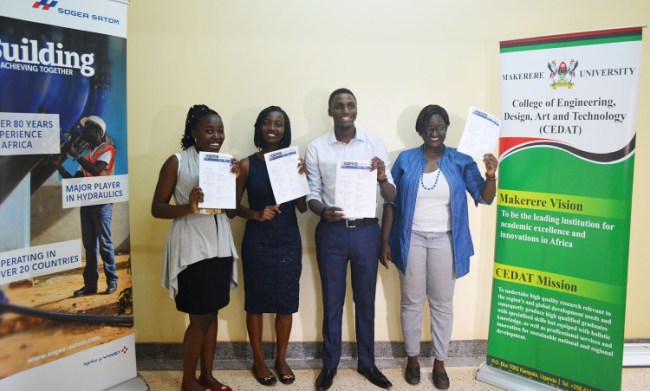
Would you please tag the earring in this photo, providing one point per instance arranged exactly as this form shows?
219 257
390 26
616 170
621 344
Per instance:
195 139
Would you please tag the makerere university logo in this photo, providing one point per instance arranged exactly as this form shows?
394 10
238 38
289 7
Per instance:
563 75
45 4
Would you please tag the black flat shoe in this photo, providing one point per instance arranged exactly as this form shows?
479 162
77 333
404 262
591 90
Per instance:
110 289
266 380
285 378
374 376
440 380
325 379
85 291
412 375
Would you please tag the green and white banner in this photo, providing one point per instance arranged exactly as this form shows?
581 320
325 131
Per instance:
569 110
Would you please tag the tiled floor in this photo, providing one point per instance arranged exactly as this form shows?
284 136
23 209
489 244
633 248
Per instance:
462 378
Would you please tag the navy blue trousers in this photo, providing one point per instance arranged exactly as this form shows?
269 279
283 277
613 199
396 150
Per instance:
335 246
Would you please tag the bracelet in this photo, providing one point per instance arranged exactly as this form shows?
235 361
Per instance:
490 178
380 181
322 213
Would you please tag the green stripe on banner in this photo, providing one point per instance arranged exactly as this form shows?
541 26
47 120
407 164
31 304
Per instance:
557 45
589 206
559 283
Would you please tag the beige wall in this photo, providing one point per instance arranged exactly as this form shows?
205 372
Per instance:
397 56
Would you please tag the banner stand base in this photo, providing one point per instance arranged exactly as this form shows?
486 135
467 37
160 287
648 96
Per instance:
508 381
636 355
136 384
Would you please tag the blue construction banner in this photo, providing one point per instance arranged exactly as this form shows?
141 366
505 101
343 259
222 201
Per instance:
66 319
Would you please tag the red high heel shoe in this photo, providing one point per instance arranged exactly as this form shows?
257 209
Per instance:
222 387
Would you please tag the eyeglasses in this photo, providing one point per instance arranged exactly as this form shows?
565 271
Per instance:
442 129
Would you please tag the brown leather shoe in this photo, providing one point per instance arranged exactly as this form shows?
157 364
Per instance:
412 375
440 380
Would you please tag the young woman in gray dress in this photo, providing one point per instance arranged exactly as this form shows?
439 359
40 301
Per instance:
200 251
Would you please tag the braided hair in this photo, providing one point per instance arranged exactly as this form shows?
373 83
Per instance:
195 114
259 140
426 114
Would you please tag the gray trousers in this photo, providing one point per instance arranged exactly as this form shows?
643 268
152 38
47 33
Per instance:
429 274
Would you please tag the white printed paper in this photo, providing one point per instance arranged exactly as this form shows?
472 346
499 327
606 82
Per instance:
216 180
356 188
480 135
287 183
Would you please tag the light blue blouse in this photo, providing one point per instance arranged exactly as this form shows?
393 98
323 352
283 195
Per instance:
462 174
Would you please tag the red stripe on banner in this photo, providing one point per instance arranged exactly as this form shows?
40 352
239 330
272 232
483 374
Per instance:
571 35
507 143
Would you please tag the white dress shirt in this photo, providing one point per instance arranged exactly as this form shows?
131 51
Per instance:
324 152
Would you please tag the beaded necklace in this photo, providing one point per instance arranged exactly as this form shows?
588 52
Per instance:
434 184
422 176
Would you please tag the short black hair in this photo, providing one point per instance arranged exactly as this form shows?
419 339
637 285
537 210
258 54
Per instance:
426 113
259 140
194 114
339 91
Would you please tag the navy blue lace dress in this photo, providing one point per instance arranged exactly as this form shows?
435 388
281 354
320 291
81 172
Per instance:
271 250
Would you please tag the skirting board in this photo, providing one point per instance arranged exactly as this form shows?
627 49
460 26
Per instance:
238 355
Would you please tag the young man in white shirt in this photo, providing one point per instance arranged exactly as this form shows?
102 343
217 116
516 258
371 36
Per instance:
339 239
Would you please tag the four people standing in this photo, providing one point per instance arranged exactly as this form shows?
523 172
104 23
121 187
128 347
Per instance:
425 232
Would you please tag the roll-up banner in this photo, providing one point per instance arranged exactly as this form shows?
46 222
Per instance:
569 111
64 196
